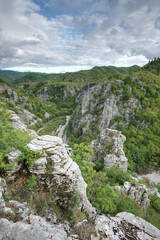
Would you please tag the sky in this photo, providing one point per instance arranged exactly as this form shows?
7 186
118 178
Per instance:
70 35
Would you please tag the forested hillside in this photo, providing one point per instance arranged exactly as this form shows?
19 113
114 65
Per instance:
88 109
11 76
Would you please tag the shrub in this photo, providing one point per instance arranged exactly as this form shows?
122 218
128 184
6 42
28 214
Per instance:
117 176
32 182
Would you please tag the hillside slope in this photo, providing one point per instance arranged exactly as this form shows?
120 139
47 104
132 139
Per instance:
96 112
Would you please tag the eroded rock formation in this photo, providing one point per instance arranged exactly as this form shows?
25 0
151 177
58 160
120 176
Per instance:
139 193
56 167
109 148
98 105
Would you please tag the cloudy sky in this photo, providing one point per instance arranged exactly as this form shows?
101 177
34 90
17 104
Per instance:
69 35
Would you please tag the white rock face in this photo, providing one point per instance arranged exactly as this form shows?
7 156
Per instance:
70 91
57 166
109 145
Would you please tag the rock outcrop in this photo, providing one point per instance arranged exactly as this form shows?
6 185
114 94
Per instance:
124 226
53 91
12 157
139 193
18 123
56 167
109 148
44 94
98 105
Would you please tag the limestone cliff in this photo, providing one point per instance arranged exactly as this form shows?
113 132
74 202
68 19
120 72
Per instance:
54 91
98 105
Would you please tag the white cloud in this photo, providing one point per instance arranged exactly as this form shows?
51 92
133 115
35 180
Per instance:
84 33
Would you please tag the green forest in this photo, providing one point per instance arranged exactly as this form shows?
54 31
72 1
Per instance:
142 129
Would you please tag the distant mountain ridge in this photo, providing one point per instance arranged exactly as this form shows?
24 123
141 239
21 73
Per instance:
11 76
95 74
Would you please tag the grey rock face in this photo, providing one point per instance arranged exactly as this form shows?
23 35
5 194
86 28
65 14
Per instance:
98 104
139 193
18 123
28 118
47 115
70 91
47 94
107 229
3 190
57 166
44 94
36 229
109 145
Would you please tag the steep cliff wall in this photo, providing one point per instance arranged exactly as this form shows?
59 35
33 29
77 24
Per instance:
98 105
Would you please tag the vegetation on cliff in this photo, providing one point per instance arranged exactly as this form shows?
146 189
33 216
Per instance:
142 129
